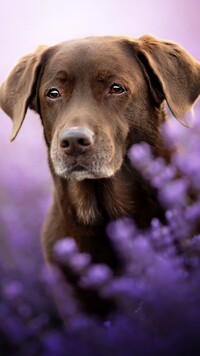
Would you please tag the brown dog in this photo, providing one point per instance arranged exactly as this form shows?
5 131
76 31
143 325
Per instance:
97 97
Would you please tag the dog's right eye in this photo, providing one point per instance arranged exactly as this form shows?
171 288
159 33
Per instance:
117 89
53 93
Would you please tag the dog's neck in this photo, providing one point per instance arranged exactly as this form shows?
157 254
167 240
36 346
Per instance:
95 202
91 201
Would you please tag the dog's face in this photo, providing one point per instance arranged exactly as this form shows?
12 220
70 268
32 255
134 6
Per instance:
92 95
98 96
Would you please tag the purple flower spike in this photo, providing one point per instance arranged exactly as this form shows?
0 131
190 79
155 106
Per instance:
140 155
97 276
79 262
174 193
64 248
13 290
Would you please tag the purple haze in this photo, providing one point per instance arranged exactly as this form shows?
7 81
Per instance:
158 292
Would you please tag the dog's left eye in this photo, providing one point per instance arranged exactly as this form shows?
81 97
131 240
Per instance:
117 89
53 93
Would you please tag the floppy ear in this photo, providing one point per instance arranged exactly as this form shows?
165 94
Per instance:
175 72
17 89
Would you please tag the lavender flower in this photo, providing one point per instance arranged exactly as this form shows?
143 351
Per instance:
64 248
96 276
156 294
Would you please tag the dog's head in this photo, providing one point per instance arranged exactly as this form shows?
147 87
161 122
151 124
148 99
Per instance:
98 96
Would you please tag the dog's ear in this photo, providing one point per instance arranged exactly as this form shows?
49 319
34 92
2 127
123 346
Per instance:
174 73
17 90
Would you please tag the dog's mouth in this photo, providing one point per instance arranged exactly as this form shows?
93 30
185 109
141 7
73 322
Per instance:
79 172
97 164
78 168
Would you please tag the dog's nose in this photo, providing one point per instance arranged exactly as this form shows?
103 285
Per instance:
76 140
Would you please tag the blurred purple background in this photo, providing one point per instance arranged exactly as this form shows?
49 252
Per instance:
25 183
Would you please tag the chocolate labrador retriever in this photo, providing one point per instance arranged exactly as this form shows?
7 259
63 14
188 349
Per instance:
97 97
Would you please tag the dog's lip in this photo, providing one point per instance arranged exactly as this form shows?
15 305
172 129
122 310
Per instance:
78 168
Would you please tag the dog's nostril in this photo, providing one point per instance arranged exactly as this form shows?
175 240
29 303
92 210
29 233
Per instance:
84 142
64 143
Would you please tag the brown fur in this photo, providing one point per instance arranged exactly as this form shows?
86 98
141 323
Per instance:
151 71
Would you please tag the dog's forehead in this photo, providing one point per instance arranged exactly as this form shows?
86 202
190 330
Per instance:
98 54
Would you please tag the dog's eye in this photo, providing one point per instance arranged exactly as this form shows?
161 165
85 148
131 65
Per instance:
53 93
116 89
